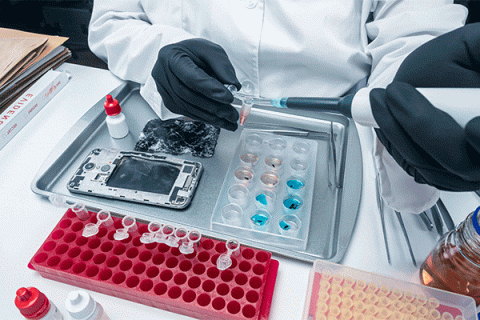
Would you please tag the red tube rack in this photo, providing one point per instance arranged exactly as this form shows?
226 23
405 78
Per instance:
158 275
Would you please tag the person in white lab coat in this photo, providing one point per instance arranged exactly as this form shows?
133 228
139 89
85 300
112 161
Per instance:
183 52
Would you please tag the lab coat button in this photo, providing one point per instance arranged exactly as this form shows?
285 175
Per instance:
250 4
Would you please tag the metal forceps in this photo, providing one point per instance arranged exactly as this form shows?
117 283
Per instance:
381 208
404 230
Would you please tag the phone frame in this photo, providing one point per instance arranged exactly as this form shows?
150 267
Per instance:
100 165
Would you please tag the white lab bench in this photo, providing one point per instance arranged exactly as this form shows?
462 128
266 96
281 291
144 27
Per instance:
27 218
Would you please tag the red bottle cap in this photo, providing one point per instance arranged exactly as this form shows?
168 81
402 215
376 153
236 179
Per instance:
32 303
112 108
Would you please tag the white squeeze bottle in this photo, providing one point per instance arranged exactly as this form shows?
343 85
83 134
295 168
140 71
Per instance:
81 306
116 120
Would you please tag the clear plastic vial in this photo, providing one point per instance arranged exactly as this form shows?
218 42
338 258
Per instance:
33 304
454 263
116 120
81 306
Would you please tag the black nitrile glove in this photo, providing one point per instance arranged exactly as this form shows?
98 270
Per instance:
425 141
190 76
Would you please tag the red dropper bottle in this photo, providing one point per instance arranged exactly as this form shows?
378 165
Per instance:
116 120
33 304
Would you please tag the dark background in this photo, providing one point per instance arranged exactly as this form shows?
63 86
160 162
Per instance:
70 18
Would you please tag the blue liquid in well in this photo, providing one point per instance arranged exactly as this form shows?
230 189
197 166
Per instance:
295 184
284 225
259 219
292 203
262 199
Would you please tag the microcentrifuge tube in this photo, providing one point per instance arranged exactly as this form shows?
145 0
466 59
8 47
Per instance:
103 217
324 285
360 285
371 298
434 314
396 294
79 209
347 292
153 229
345 314
193 237
178 235
336 288
333 311
165 232
384 313
348 282
432 303
347 303
408 297
224 261
129 225
57 200
335 300
359 296
384 302
323 296
372 287
358 306
421 312
337 278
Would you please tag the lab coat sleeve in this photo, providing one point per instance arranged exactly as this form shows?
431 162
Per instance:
399 27
121 33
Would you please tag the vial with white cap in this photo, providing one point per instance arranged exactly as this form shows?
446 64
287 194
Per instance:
116 120
81 306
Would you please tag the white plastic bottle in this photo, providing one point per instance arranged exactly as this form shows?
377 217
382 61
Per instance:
81 306
116 120
33 304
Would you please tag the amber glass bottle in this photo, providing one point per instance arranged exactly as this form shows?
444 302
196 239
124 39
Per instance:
454 262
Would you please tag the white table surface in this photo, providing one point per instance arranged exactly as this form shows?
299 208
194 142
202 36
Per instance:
27 218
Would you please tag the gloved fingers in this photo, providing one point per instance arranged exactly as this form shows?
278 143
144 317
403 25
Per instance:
213 59
193 77
220 115
392 135
433 175
432 131
202 66
213 119
472 132
450 60
186 99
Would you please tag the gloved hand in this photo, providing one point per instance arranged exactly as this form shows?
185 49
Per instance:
425 141
190 76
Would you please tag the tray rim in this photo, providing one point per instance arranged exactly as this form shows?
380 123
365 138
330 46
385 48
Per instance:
349 192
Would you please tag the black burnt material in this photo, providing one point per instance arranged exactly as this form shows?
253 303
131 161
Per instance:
178 136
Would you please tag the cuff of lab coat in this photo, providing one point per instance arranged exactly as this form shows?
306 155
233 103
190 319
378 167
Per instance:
398 189
150 93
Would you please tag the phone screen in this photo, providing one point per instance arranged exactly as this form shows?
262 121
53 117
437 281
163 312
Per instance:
144 175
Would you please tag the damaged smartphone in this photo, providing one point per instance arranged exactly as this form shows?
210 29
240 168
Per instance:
159 180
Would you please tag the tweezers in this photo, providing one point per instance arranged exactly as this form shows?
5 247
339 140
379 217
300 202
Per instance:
447 218
404 230
437 220
426 220
382 217
286 130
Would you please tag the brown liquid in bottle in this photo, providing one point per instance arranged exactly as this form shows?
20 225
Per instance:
454 263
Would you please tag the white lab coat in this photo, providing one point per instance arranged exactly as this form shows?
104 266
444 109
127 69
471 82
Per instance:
285 48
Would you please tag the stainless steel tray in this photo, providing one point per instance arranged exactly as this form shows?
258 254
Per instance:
338 178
